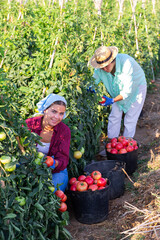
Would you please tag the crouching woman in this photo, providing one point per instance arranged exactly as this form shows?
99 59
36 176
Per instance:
55 135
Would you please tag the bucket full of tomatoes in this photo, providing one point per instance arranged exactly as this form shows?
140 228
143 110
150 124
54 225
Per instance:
125 150
113 171
90 197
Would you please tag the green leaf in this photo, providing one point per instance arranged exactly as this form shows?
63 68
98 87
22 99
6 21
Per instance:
39 207
16 228
10 215
57 232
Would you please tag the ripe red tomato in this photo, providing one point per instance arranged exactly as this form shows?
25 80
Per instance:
81 178
101 182
96 175
136 147
114 151
124 142
73 188
59 193
49 161
113 144
101 188
134 143
64 199
95 181
130 148
93 187
122 151
72 180
82 186
120 138
63 207
113 140
119 146
89 180
108 145
130 139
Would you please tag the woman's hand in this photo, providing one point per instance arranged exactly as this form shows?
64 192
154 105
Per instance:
106 101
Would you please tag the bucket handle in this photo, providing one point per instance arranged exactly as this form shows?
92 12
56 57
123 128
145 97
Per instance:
135 184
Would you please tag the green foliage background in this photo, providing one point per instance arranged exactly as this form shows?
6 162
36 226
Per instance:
30 32
29 35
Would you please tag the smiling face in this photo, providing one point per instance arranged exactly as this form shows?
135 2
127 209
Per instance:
110 68
53 115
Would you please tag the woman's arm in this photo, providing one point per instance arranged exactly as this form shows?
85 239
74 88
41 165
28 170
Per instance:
118 98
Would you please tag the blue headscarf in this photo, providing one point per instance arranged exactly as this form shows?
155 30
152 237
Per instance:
47 101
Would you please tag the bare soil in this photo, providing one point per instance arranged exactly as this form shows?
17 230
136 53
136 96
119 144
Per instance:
147 175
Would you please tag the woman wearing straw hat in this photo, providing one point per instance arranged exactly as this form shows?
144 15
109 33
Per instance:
125 82
55 135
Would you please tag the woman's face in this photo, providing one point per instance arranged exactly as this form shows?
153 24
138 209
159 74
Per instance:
54 114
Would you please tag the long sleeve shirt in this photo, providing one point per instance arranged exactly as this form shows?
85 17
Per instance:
126 80
60 141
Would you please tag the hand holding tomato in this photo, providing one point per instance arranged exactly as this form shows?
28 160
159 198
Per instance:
49 161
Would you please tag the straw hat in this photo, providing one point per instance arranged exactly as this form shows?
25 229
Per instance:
103 56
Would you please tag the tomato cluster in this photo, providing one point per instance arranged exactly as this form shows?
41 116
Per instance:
63 198
92 182
121 145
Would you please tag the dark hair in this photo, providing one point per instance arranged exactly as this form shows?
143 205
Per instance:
59 103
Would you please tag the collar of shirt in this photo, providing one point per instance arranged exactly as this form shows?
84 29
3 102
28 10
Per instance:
38 126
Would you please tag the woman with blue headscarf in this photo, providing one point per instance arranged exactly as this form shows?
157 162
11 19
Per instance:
55 135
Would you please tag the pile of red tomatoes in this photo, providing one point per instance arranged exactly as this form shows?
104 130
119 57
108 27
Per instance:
92 182
121 145
63 197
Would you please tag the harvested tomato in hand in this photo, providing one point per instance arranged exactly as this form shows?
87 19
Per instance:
63 207
49 161
103 101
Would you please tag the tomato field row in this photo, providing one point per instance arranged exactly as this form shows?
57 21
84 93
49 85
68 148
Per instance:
45 48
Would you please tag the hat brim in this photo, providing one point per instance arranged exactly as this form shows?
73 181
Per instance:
94 63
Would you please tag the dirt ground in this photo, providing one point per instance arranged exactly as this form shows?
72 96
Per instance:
148 175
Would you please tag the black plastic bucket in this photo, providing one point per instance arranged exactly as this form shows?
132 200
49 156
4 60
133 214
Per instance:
113 171
130 158
90 207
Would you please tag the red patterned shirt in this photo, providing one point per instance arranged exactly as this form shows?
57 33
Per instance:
60 141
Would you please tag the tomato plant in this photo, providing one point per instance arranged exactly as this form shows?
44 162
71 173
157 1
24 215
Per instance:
63 207
60 194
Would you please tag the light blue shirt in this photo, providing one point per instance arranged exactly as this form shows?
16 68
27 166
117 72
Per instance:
128 77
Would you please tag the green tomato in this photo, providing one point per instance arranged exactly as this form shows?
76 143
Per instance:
51 188
38 161
40 155
22 140
13 159
10 167
82 150
5 159
21 200
2 136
